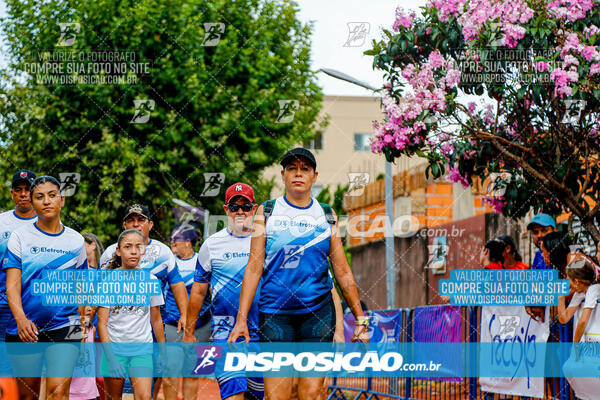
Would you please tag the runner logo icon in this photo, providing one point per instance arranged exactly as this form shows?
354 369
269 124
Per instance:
206 362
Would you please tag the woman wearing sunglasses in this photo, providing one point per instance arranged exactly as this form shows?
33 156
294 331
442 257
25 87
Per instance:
293 240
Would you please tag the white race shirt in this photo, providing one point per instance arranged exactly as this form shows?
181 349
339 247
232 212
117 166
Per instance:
127 324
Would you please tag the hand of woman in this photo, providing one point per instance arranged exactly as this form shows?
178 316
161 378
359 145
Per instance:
361 334
28 332
240 329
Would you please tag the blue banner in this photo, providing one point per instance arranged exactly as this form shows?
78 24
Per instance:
96 287
509 358
487 287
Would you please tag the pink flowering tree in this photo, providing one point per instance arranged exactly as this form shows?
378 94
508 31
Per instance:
504 90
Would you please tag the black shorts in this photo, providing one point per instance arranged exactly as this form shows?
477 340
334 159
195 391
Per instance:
68 334
316 326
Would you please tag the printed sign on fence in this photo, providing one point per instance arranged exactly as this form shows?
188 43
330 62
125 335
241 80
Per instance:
385 326
513 334
440 324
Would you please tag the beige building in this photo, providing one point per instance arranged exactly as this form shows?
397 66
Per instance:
344 146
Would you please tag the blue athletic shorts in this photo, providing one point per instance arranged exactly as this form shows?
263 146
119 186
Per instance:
231 383
5 314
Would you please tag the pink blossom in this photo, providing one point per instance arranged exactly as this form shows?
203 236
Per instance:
590 31
436 60
408 72
452 78
561 80
489 117
595 69
446 148
559 76
428 30
572 74
590 53
571 10
565 90
472 107
447 8
570 60
469 154
571 43
455 176
512 34
496 202
403 19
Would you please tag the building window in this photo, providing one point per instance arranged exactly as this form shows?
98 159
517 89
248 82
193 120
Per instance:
316 143
362 141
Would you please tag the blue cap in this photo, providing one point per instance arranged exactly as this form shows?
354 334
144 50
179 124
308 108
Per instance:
542 220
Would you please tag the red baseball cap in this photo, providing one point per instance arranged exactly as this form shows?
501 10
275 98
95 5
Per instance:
239 189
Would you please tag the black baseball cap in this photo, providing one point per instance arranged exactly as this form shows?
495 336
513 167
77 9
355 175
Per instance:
137 209
23 175
297 153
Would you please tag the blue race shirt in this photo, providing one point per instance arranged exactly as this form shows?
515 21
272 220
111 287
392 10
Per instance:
9 221
295 276
158 259
538 261
187 270
32 251
222 260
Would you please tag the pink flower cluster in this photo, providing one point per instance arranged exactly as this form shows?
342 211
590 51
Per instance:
507 14
429 83
571 48
403 19
590 31
571 10
454 175
496 202
447 8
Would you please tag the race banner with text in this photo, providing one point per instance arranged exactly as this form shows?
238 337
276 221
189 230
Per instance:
515 339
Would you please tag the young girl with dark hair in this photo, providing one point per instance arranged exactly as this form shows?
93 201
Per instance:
128 325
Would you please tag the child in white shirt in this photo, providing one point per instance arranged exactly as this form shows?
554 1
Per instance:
129 324
582 277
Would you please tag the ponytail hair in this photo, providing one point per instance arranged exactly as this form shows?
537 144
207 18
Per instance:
91 238
115 261
583 270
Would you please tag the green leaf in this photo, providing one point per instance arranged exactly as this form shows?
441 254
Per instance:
435 170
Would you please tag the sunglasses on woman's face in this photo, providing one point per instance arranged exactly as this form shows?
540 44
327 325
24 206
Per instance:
235 207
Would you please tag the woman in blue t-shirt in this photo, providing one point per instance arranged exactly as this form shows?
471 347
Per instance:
33 250
293 242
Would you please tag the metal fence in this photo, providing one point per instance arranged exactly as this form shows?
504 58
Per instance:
411 388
